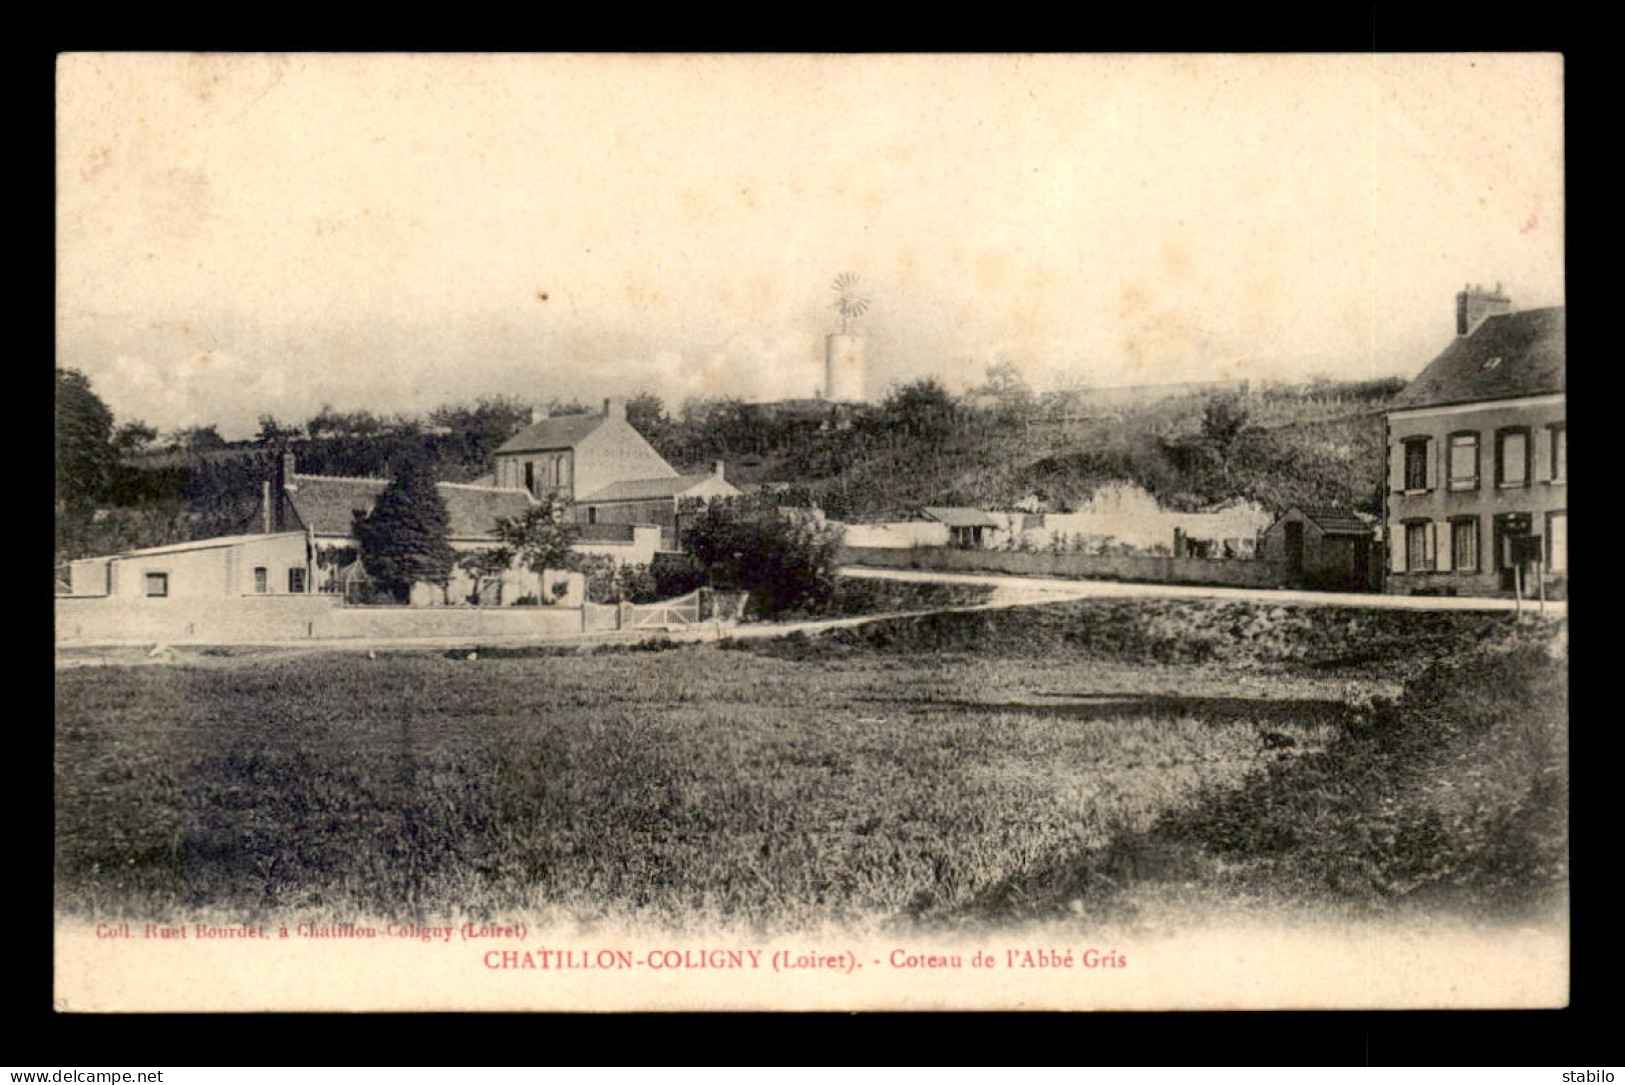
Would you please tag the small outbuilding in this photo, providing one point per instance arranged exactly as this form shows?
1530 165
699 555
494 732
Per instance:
1321 546
968 529
220 568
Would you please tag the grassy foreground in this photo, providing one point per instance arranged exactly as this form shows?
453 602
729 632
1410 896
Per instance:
868 778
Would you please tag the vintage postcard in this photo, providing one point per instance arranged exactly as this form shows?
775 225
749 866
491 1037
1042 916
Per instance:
845 532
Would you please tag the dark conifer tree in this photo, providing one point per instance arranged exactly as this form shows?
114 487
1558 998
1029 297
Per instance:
404 539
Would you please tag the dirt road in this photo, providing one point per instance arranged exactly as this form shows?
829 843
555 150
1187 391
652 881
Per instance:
1056 588
1008 591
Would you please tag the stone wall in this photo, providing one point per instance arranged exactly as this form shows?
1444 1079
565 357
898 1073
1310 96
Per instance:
1154 569
262 618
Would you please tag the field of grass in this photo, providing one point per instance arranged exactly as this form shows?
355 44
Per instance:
847 781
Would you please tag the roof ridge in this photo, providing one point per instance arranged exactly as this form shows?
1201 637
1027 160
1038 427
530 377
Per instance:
486 489
343 478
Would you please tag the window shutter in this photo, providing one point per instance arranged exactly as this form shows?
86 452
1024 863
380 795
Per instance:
1396 470
1435 462
1438 546
1396 548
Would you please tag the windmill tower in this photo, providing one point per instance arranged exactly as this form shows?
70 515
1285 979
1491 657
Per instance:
843 350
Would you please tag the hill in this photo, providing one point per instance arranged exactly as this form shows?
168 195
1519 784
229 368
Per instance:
1317 443
1191 447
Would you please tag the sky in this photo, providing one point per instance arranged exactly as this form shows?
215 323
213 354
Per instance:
247 234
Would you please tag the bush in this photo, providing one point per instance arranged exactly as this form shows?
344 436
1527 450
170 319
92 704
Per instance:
786 566
673 575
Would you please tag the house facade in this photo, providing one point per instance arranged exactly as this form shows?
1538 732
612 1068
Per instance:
574 455
968 529
206 569
605 471
653 501
1476 494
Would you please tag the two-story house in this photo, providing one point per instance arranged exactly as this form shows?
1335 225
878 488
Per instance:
1476 494
605 471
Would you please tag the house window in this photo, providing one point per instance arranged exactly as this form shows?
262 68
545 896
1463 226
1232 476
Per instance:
262 579
530 476
1464 461
1464 544
157 585
1560 452
1416 464
1512 457
1557 541
296 581
592 514
1416 547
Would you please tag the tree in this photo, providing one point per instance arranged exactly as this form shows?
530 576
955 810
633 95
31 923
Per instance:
786 565
85 456
923 410
478 431
539 538
646 413
1226 428
197 438
484 566
330 423
404 538
1006 384
274 433
134 436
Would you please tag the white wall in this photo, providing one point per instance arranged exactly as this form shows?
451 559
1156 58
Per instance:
897 535
640 551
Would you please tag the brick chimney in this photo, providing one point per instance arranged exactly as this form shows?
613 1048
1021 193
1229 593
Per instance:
272 499
615 408
717 468
1474 303
538 414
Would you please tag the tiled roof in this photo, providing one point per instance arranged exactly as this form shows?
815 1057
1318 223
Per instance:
1335 521
646 489
961 517
565 431
1507 356
328 505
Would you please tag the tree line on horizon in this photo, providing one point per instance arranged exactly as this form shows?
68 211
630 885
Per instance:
920 444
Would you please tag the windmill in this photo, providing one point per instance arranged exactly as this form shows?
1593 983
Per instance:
850 301
843 350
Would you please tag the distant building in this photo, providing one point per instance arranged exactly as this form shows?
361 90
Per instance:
573 455
326 507
604 469
1476 500
203 570
652 501
968 529
1323 547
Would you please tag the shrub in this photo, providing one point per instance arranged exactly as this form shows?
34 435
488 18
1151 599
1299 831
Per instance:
786 566
675 574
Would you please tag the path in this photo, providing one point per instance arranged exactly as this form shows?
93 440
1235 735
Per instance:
1008 591
1050 589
